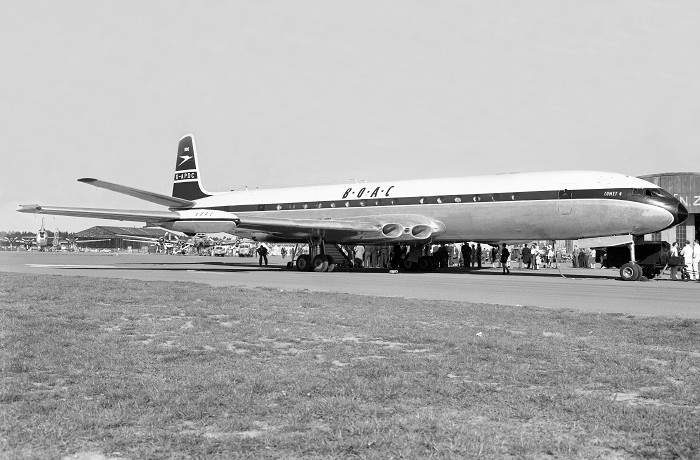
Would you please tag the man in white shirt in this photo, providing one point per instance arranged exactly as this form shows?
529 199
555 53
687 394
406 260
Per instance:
687 254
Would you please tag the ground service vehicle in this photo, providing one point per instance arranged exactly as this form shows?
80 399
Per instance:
219 251
651 258
245 250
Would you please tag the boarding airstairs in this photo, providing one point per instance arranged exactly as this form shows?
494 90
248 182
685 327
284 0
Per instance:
338 254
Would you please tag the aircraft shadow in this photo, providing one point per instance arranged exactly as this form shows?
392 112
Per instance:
225 267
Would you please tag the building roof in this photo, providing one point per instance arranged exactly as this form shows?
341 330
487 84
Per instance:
645 176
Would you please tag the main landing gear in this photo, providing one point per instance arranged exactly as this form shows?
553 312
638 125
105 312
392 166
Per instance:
317 260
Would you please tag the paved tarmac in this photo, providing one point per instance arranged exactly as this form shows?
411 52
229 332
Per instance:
590 290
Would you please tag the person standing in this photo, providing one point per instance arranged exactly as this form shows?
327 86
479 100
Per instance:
473 255
526 255
582 259
674 268
574 257
505 256
396 257
687 254
535 256
467 256
696 259
262 252
359 259
478 255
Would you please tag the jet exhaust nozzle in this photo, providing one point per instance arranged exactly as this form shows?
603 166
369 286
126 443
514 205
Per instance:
421 232
392 230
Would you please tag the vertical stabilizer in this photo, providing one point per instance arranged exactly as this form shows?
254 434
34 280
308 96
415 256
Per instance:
186 183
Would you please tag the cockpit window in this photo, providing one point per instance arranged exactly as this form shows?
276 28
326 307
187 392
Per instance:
658 193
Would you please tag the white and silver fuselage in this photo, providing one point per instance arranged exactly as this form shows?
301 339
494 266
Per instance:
504 207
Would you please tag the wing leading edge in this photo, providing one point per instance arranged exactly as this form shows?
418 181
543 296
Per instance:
407 227
145 195
114 214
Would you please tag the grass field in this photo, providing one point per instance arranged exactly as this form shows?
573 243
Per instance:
130 369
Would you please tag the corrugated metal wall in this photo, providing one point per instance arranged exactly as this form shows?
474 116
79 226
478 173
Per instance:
685 186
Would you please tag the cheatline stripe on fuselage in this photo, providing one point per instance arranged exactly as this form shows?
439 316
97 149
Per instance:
616 194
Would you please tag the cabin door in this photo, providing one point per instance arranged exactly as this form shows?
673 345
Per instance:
564 202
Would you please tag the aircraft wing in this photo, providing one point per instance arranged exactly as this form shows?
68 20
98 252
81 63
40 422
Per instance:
153 197
393 228
370 228
115 214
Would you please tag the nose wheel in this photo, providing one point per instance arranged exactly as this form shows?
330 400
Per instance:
630 272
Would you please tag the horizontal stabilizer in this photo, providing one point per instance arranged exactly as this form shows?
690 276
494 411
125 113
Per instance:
157 198
113 214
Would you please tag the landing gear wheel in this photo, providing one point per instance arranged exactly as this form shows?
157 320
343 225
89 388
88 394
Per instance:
630 272
424 264
408 265
331 263
320 263
303 263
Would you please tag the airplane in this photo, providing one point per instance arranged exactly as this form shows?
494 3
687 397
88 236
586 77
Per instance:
554 205
169 243
75 242
40 239
11 240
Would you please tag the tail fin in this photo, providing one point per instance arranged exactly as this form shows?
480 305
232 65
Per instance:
186 183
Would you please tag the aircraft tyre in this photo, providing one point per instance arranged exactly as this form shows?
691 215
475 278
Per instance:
409 265
424 264
320 263
331 263
630 272
304 263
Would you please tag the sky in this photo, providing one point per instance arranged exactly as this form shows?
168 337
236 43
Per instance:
279 93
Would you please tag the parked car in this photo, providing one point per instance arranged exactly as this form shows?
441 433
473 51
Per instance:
246 250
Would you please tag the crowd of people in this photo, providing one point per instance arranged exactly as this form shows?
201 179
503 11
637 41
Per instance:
466 255
691 260
473 256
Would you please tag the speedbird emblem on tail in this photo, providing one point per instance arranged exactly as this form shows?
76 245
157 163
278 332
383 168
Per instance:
498 208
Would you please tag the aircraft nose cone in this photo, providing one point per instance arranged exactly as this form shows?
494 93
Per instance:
680 215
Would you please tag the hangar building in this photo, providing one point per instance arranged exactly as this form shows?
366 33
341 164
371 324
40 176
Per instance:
118 238
686 187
